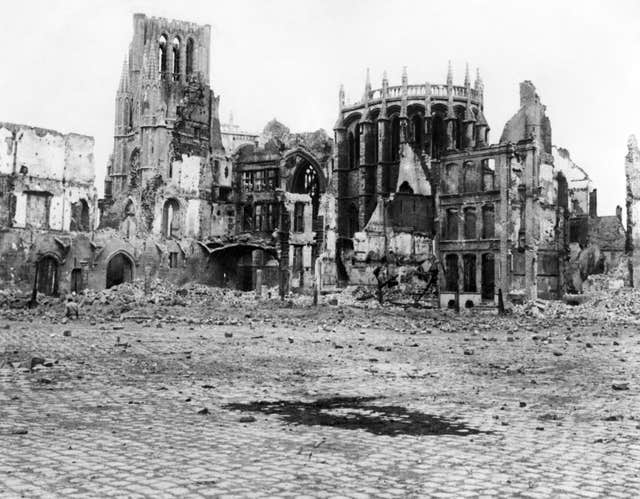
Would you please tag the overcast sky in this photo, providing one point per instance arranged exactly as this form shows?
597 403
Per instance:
286 59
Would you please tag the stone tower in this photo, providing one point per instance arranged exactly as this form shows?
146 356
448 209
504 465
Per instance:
167 143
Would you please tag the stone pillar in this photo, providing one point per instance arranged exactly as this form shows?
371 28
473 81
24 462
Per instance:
427 134
259 283
383 155
342 170
503 169
285 227
632 172
450 134
468 135
365 133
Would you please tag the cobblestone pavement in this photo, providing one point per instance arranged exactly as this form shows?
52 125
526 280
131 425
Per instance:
321 403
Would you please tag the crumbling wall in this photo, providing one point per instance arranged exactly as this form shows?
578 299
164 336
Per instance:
632 246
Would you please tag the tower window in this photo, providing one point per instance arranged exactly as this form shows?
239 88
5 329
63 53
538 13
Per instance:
176 58
162 54
190 56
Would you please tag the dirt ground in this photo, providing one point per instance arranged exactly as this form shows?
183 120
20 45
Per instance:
246 398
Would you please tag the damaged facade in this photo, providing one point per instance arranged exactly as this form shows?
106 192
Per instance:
48 203
410 181
418 180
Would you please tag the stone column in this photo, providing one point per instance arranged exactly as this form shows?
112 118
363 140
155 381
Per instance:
342 169
365 132
383 154
632 172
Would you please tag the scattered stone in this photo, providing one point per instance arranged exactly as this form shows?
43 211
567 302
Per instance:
66 332
468 351
36 361
620 386
247 419
616 417
523 404
227 334
204 410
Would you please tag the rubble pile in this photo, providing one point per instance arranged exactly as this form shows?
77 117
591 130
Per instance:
617 305
162 300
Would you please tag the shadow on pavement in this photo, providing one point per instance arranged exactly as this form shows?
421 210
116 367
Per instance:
357 413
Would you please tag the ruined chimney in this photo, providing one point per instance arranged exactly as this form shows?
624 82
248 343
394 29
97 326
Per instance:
619 213
528 94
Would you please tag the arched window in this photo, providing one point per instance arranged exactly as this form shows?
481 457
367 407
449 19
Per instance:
488 222
306 181
125 114
350 150
134 168
439 135
470 223
175 49
395 138
190 49
162 54
469 177
130 124
417 125
170 219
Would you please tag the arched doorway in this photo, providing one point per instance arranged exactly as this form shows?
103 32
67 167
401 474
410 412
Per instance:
47 275
119 270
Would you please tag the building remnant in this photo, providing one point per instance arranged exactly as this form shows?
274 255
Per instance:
47 201
411 183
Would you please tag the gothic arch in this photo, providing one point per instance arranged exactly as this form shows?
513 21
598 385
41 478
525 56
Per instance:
308 157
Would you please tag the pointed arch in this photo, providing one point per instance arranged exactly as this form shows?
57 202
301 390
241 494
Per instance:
175 57
162 53
189 56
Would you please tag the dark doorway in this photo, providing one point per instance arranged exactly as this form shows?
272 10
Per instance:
488 277
119 270
47 276
76 280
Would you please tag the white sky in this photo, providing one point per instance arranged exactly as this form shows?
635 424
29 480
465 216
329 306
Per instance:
286 59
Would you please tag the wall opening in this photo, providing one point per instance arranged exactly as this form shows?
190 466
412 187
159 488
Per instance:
119 270
451 272
162 54
469 273
470 223
76 280
175 59
189 61
488 222
170 218
47 276
488 277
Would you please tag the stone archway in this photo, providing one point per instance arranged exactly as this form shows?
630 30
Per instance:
119 269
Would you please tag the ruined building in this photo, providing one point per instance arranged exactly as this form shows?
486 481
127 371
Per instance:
191 201
411 180
596 244
48 204
417 178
